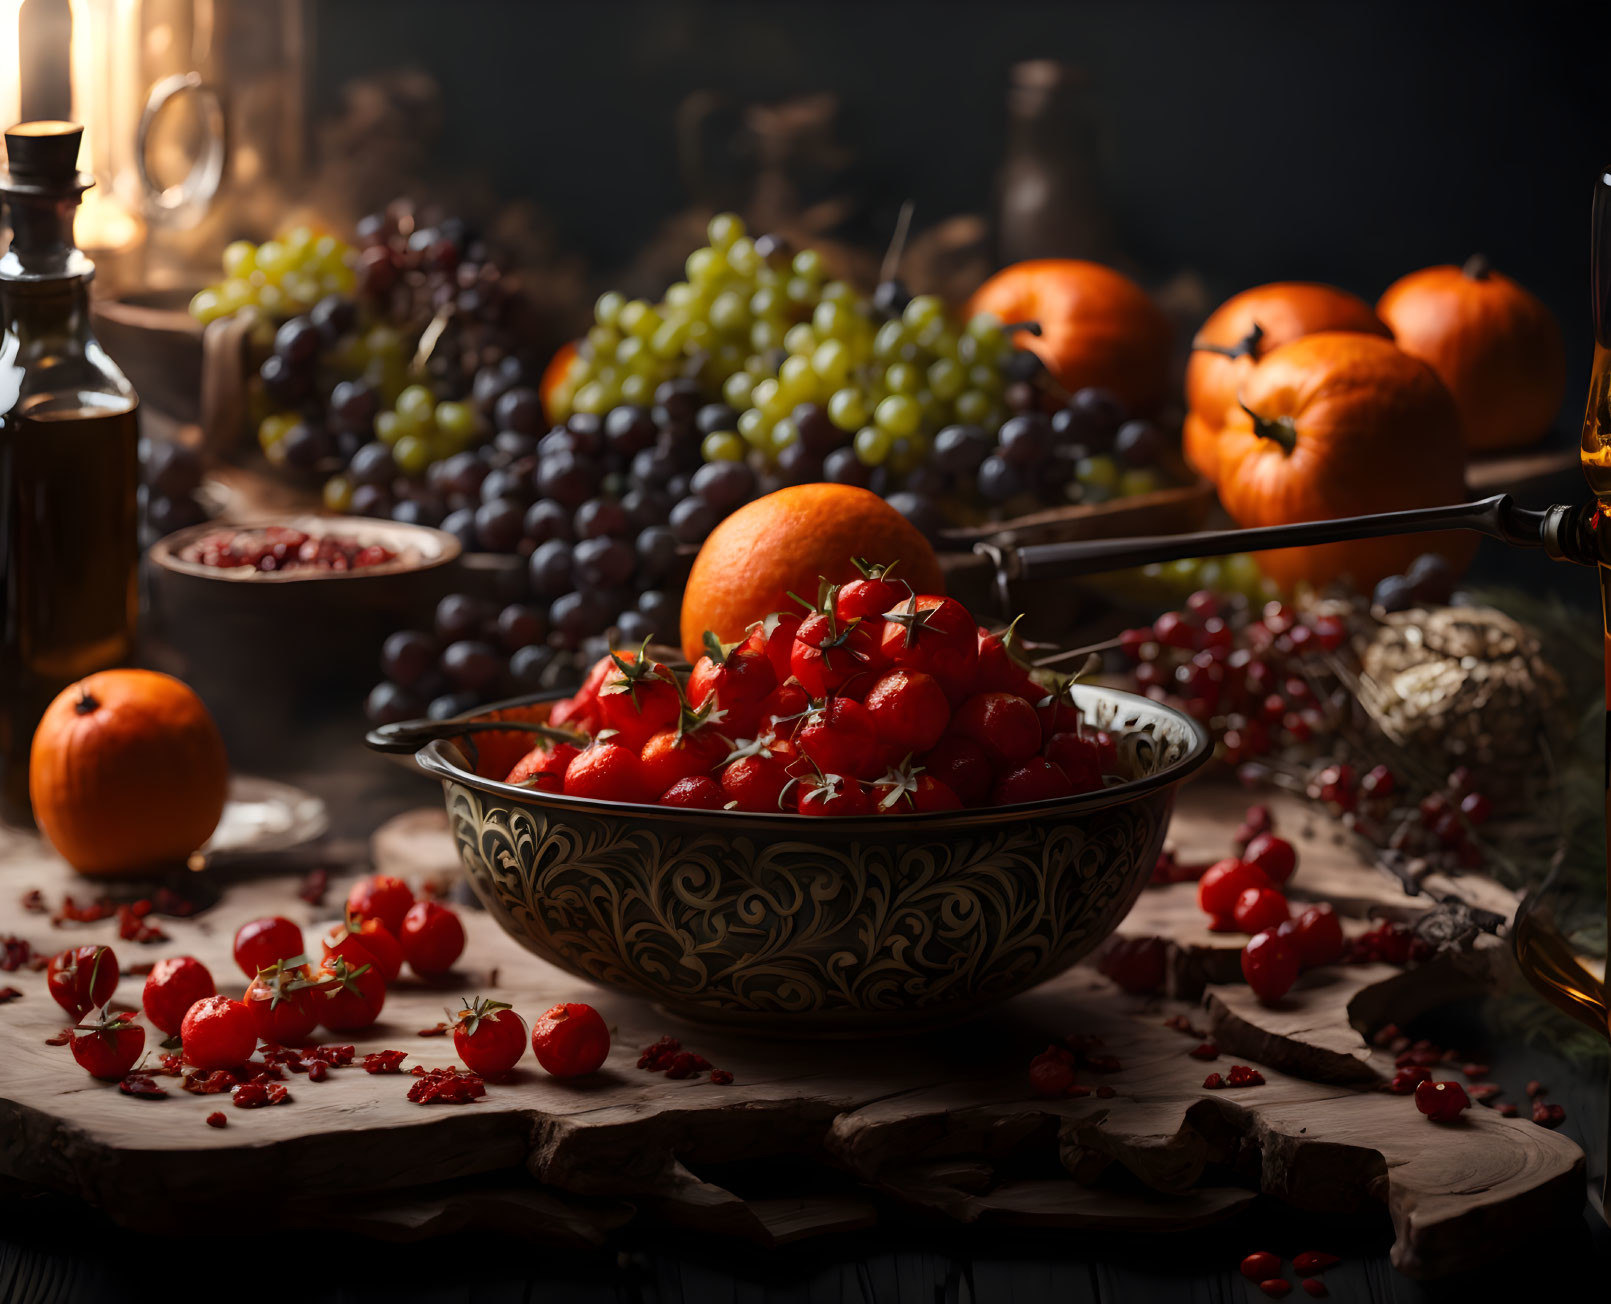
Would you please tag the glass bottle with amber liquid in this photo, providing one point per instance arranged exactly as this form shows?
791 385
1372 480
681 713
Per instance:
69 462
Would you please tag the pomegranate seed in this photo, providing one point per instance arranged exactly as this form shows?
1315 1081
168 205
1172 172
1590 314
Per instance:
1312 1261
1330 632
1505 1109
1476 808
1260 1264
1105 1092
1276 1287
1535 1089
1213 1081
1315 1288
1379 781
1300 636
218 1119
1548 1115
1203 604
1172 630
1459 781
1483 1092
1441 1101
1206 1051
1433 808
721 1077
1132 641
1474 1070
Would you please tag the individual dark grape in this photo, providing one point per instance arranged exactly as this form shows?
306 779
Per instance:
558 440
724 485
172 470
1430 579
462 616
628 430
545 520
1026 440
304 446
498 525
692 519
450 705
842 466
353 407
1021 397
520 409
818 435
472 665
334 317
773 250
599 518
926 480
999 479
407 656
1394 594
513 444
461 525
918 510
652 467
635 628
1054 476
795 465
889 297
528 666
958 450
370 500
492 382
283 384
521 623
505 483
575 616
567 479
660 606
645 507
587 428
372 465
1139 443
389 703
551 569
715 416
680 398
462 474
1022 365
603 562
298 342
1096 415
657 552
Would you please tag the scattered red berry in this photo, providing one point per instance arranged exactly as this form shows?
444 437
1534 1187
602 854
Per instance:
172 987
1408 1078
82 979
217 1119
1205 1051
1276 1287
218 1033
432 938
1312 1261
1318 936
1259 908
1136 964
489 1037
263 942
348 998
108 1048
283 1000
1441 1101
571 1040
1274 856
385 1061
446 1086
1314 1288
1223 882
1270 965
1260 1265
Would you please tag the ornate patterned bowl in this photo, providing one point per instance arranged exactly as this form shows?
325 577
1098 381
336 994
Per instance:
798 926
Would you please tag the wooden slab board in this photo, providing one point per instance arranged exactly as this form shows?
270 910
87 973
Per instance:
812 1137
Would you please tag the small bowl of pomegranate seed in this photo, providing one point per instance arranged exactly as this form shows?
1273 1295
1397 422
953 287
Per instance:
302 549
884 917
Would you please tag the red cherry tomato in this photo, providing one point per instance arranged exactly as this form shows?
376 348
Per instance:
1003 724
218 1033
366 941
432 938
909 711
829 653
776 635
1275 856
833 795
999 670
638 700
172 987
871 596
347 998
109 1048
382 897
1259 908
1037 779
571 1040
1223 882
756 782
700 792
672 755
935 635
542 768
1270 965
282 1001
1318 936
606 771
263 942
737 678
1081 757
489 1037
961 764
838 737
905 792
82 979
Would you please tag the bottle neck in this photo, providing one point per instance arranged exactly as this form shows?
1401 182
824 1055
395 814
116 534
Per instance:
58 308
42 247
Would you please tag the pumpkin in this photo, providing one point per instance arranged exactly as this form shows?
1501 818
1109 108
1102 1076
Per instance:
1097 326
127 773
1341 424
1244 329
1494 344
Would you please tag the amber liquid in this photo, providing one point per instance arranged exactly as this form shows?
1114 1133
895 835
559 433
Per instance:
69 559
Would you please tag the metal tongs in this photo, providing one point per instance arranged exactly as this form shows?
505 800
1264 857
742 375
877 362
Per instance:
1564 533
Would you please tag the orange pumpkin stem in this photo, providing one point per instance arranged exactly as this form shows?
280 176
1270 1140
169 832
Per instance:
86 705
1246 347
1281 430
1033 327
1477 267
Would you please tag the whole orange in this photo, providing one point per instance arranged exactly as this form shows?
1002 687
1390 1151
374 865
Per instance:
785 542
127 773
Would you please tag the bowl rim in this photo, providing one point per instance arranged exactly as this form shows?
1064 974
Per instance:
432 548
434 759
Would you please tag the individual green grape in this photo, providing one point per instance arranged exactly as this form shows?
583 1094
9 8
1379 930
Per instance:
796 378
808 263
737 388
847 409
274 260
891 338
390 427
1242 574
680 298
636 388
763 392
923 309
706 266
800 289
833 320
946 378
629 352
697 333
755 428
784 433
973 407
902 378
765 335
1142 480
412 455
724 229
872 445
937 337
840 292
668 339
273 428
206 306
730 311
723 446
800 338
233 295
592 398
337 494
240 258
1098 472
637 318
607 308
457 421
742 258
417 404
831 361
765 304
602 340
899 414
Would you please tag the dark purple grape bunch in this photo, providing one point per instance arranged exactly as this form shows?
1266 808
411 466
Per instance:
170 481
1429 582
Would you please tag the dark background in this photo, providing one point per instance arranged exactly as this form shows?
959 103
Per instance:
1247 142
